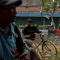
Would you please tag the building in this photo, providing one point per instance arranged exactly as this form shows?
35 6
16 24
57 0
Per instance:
31 9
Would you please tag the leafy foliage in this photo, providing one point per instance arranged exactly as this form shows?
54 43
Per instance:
59 3
47 7
43 2
54 4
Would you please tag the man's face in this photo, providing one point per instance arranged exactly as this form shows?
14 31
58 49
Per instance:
29 23
8 13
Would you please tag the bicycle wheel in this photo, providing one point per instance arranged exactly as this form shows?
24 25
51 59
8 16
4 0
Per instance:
49 47
32 44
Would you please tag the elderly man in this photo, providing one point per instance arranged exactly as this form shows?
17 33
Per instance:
8 41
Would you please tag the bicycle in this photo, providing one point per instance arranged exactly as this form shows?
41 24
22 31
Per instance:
47 46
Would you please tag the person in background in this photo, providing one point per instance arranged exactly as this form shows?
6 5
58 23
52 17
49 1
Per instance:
52 25
8 42
30 30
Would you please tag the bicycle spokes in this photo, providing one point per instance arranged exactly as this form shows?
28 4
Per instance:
49 47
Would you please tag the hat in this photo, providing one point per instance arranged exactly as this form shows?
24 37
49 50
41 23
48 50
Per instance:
7 2
29 20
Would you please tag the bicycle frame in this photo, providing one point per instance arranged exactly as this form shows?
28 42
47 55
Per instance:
41 38
43 43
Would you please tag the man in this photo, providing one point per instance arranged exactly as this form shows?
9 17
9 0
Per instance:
8 41
30 30
52 25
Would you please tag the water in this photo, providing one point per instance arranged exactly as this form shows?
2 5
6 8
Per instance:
56 40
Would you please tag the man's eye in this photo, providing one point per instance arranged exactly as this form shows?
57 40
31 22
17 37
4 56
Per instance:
11 7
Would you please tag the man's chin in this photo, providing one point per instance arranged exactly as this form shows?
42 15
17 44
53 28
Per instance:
13 20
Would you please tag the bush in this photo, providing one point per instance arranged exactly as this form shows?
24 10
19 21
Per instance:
59 27
21 27
40 27
26 25
47 26
35 25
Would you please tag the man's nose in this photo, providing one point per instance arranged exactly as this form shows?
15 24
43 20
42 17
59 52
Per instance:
15 12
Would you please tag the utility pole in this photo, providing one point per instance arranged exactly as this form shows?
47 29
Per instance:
41 14
53 21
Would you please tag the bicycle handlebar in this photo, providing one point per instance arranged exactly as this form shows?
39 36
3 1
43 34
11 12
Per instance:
40 34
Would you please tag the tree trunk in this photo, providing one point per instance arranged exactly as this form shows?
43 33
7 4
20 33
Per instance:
53 21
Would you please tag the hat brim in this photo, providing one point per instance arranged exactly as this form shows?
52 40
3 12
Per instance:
17 2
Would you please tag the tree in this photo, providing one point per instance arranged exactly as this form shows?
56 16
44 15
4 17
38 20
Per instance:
47 7
58 3
43 2
54 4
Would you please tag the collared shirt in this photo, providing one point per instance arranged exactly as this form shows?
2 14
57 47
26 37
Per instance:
7 45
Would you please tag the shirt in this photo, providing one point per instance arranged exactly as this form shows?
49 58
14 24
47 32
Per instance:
31 30
7 45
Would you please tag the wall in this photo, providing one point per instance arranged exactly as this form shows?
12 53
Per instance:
30 3
33 2
23 21
36 20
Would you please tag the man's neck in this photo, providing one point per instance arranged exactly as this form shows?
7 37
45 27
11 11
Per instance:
31 25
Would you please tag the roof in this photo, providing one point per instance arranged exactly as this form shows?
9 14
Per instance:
35 15
33 9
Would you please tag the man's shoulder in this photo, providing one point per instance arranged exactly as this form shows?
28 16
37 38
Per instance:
34 26
26 26
16 29
14 24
